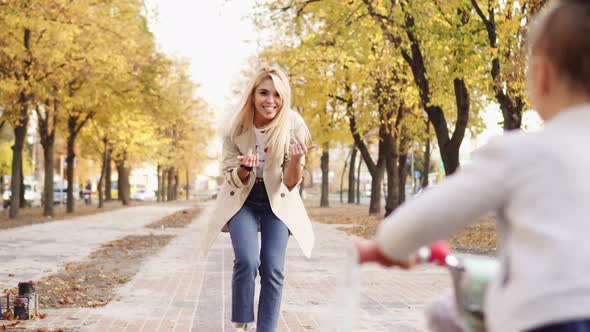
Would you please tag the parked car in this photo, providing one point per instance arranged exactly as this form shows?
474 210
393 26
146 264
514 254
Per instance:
144 195
60 196
32 196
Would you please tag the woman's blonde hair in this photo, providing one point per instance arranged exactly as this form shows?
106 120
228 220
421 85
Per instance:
278 130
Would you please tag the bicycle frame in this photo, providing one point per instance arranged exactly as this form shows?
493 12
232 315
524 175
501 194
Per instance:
471 275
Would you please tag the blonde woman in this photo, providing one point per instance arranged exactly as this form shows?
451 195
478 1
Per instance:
263 154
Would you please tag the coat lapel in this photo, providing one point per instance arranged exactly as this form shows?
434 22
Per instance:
246 141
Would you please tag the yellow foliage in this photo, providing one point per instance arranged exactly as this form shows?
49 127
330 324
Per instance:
96 62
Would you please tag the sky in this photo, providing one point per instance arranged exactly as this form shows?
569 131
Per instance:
217 36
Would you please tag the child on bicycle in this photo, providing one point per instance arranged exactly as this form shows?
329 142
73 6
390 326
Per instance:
537 183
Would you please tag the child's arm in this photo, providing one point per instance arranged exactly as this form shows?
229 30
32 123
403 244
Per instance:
482 186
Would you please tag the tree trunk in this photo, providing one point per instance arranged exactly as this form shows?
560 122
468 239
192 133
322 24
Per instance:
1 172
402 175
163 192
170 184
23 202
342 181
325 166
103 170
164 184
391 165
358 181
513 115
159 191
449 146
100 186
48 147
119 183
107 175
510 105
124 187
426 166
377 175
187 184
175 193
47 126
376 181
375 169
70 160
20 132
351 179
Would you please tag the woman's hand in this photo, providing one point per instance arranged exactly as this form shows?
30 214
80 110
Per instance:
298 149
293 172
249 160
369 252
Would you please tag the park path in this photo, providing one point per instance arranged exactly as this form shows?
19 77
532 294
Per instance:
178 290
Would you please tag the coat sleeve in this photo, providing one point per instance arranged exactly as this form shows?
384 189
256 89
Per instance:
230 163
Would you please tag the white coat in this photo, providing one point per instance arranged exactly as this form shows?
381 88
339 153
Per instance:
286 204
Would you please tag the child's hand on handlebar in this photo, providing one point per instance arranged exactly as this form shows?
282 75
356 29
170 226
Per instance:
369 252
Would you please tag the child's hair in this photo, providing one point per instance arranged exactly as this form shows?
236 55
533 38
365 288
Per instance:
562 34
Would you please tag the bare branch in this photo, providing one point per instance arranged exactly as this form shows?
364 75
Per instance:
300 10
41 36
480 12
381 19
488 22
339 98
51 72
81 124
373 12
406 55
442 13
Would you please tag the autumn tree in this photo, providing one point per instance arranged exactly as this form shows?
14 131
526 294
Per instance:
184 136
313 72
506 25
111 67
92 62
423 36
333 35
16 62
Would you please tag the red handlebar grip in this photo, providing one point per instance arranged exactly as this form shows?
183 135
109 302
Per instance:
439 251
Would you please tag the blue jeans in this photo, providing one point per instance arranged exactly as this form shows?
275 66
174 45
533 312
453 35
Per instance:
573 326
243 229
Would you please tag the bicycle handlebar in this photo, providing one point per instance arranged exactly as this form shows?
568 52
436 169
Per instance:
435 253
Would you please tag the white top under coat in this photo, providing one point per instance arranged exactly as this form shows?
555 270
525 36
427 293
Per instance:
261 150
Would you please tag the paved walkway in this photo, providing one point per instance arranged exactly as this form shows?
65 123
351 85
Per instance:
177 290
32 252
